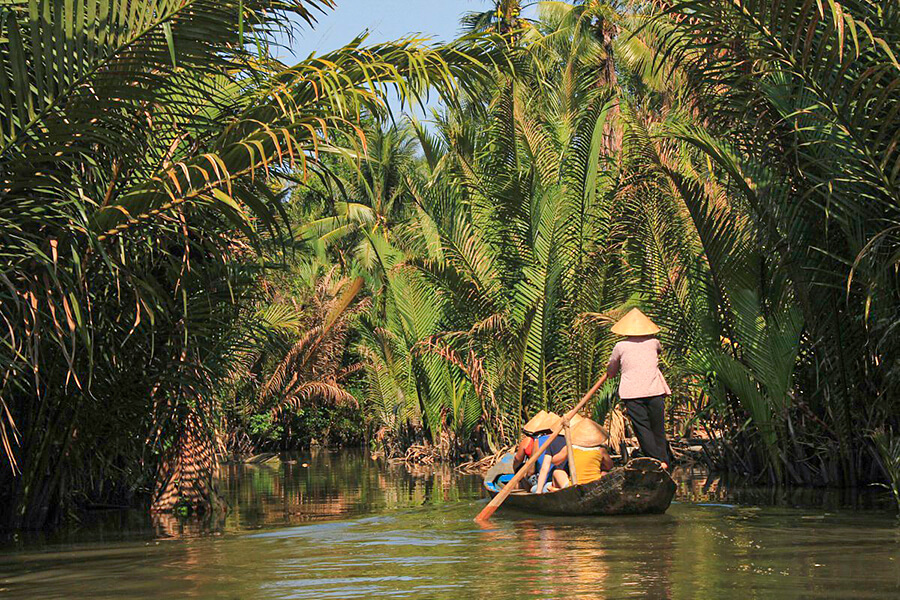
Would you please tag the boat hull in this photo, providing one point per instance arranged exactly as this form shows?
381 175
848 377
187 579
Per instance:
640 487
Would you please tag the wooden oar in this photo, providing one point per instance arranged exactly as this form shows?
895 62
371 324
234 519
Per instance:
572 474
513 483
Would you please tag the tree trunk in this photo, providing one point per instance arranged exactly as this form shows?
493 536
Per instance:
185 480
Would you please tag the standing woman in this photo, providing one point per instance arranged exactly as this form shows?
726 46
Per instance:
642 386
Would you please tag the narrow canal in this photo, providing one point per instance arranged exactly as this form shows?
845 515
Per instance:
344 527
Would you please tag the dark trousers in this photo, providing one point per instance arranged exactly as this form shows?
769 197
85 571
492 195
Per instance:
648 418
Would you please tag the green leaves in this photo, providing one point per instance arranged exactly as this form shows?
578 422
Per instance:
799 102
142 147
518 203
761 374
170 42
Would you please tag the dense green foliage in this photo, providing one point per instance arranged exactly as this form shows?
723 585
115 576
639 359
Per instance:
141 148
209 252
733 180
800 106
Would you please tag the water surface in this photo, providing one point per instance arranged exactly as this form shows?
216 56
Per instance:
346 527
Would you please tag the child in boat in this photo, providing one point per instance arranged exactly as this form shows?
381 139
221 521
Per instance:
554 462
551 466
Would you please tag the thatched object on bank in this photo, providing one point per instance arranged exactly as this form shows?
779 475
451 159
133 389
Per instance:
477 467
263 458
615 425
419 454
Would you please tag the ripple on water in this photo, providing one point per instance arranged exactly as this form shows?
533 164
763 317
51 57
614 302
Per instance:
387 533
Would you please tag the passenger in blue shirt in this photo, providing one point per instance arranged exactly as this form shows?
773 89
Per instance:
553 464
553 461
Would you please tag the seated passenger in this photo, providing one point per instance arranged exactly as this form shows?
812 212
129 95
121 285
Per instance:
560 477
553 462
589 454
553 475
526 445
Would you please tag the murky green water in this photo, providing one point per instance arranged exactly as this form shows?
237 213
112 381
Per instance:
345 528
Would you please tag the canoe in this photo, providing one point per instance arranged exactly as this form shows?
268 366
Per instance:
640 487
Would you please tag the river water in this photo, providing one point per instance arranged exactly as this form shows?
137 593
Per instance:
344 526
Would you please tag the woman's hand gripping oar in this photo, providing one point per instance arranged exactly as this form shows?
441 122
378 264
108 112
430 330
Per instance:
513 483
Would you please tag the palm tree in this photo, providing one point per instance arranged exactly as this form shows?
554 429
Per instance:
312 368
505 19
545 229
521 207
136 151
800 102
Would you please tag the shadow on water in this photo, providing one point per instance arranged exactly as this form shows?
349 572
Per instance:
343 526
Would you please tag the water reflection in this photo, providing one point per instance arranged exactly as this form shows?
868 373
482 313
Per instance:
698 486
324 486
343 527
584 557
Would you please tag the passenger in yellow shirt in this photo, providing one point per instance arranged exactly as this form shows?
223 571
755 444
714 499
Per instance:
589 455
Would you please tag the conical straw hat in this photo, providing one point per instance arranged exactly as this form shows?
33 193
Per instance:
575 420
635 323
589 434
543 421
536 423
551 420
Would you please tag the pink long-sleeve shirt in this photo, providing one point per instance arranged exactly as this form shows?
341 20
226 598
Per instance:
637 359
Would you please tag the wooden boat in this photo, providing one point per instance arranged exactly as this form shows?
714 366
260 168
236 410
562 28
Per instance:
640 487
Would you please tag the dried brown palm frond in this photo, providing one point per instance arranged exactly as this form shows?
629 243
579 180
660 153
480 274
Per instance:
303 392
314 362
473 366
284 370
